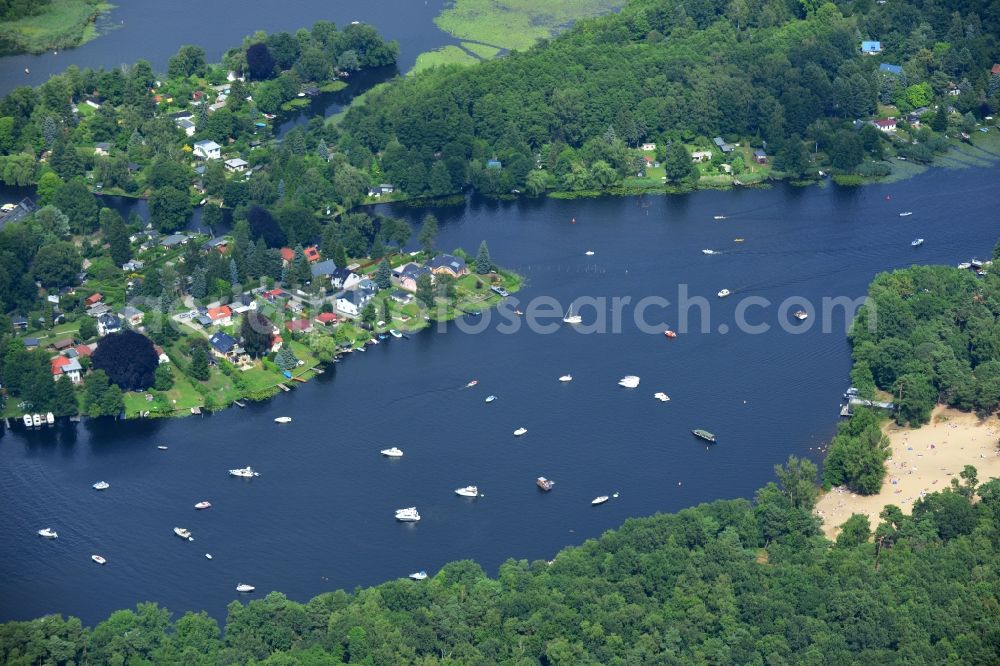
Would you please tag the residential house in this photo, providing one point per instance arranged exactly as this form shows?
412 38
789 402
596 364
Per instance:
311 253
647 147
98 310
203 320
722 145
323 269
107 324
244 304
132 265
161 356
207 150
384 188
275 295
759 156
276 342
186 125
344 278
298 326
408 275
63 344
352 302
102 148
173 240
133 316
326 318
953 89
93 299
224 346
66 367
890 69
236 165
20 323
887 125
701 156
871 47
31 343
402 297
446 264
85 350
220 316
219 244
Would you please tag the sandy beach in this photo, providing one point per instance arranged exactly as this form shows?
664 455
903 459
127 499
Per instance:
924 460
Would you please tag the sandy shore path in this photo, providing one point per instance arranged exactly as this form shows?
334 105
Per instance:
924 460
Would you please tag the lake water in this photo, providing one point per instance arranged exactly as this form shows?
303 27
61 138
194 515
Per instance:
154 30
320 515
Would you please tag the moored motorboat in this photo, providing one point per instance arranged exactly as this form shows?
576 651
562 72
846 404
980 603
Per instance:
723 293
490 398
801 315
917 242
670 334
48 533
244 587
965 265
599 500
36 420
704 434
98 559
283 419
27 420
243 472
50 418
101 485
520 431
662 397
544 484
418 575
394 333
183 533
629 381
393 452
468 491
408 515
208 556
203 505
566 378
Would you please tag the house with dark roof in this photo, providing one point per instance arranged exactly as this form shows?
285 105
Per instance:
20 323
133 316
402 297
344 278
174 240
352 302
226 347
446 264
325 268
722 145
759 156
408 274
108 323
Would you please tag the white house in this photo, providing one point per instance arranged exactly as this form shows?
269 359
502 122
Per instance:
236 165
186 125
701 156
207 150
648 147
353 302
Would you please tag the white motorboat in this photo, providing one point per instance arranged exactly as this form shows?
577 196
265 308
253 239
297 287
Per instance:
571 318
36 420
615 495
490 398
589 253
203 505
162 447
662 397
801 315
183 533
418 575
723 293
719 217
965 265
566 378
472 383
394 452
468 491
283 419
243 472
906 213
917 242
48 533
394 333
101 485
544 484
599 500
50 418
243 587
27 420
709 252
98 559
520 431
208 556
408 515
629 381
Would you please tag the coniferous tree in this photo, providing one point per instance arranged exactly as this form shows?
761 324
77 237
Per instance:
383 276
483 262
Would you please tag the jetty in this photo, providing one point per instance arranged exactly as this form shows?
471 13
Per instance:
239 404
284 388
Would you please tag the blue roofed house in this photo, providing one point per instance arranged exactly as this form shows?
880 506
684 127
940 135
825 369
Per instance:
408 274
722 145
108 323
871 47
446 264
343 278
225 346
323 269
890 69
352 302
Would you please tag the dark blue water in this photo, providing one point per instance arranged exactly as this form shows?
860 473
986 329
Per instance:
320 516
154 30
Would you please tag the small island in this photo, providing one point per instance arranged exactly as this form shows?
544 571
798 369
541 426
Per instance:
37 26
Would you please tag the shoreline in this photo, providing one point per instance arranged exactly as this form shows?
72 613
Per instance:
33 35
924 460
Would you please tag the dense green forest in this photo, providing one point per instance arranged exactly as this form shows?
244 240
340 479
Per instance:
732 581
786 75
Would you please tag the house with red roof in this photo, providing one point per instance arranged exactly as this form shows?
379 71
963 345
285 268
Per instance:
326 318
887 125
85 350
93 299
311 254
276 342
220 316
66 367
299 325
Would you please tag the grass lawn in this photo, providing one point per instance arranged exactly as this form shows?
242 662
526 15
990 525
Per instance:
295 103
333 86
64 23
516 24
446 55
61 331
